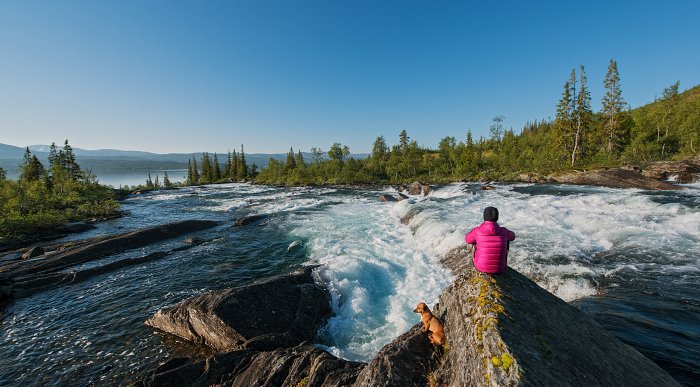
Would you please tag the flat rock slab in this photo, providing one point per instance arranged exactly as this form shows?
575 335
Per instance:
101 247
276 313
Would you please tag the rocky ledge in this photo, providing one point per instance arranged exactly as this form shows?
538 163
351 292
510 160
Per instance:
40 268
654 176
615 178
501 330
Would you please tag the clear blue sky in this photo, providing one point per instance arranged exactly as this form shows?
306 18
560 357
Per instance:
173 76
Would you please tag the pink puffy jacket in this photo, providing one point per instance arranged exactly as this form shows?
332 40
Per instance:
491 250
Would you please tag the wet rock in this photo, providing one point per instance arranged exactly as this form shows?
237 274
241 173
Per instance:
193 240
406 219
387 198
97 248
33 252
615 178
506 330
418 188
248 219
402 196
276 313
487 188
302 365
407 361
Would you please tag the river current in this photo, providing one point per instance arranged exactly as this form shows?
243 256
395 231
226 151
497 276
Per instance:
628 258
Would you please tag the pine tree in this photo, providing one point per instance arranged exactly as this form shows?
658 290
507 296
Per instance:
582 115
156 184
496 128
234 165
217 171
190 174
380 151
207 172
299 160
33 170
564 121
166 180
70 164
242 167
291 163
149 182
403 141
612 107
226 173
195 171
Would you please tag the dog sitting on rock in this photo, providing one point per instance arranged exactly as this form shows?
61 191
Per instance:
431 324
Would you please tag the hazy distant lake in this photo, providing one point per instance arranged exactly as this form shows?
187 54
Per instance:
117 178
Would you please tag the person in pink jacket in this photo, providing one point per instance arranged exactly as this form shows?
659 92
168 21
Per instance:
491 243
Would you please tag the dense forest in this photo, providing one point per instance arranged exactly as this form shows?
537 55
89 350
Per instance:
577 138
45 197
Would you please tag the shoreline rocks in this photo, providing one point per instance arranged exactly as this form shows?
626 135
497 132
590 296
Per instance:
42 268
614 178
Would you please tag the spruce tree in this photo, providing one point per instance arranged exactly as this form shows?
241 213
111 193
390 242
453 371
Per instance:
190 175
70 164
156 184
149 182
207 172
291 164
242 167
564 122
166 180
403 141
226 173
299 160
612 107
582 116
234 165
216 171
195 171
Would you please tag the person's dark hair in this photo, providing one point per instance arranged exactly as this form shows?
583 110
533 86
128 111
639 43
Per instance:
491 214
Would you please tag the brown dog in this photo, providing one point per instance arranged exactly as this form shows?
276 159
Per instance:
436 334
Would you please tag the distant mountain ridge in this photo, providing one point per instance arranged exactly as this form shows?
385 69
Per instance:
127 160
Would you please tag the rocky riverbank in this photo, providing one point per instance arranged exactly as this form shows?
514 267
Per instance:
501 330
27 271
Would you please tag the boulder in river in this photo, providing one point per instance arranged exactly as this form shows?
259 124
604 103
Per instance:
33 252
387 198
418 188
275 313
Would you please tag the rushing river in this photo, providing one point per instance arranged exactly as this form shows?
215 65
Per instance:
628 258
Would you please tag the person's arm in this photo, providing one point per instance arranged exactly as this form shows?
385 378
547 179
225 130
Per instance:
471 237
511 236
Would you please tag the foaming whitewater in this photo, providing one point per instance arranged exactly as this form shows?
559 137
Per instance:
626 257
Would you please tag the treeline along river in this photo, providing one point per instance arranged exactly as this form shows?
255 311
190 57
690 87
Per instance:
628 258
